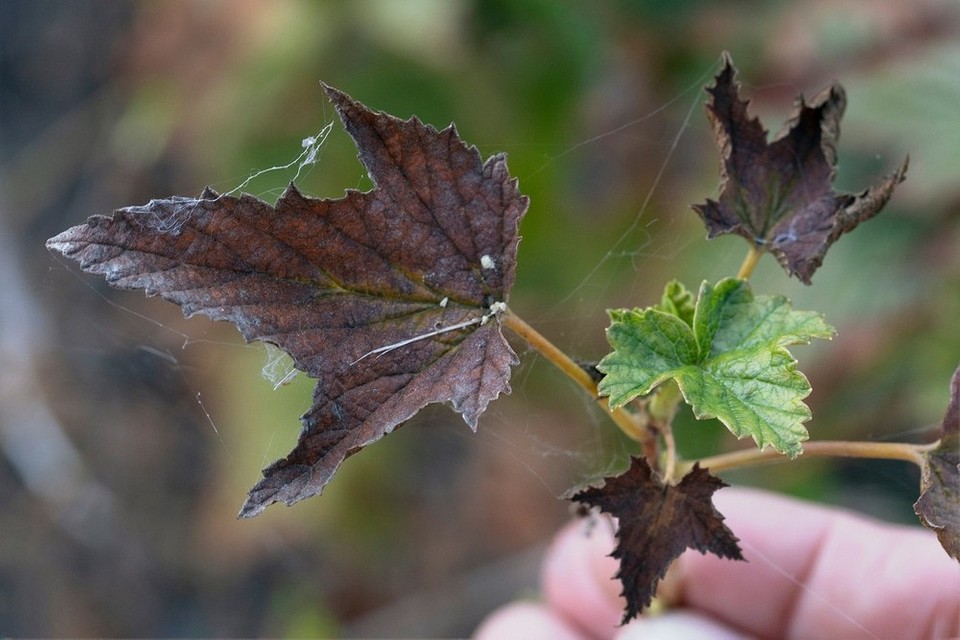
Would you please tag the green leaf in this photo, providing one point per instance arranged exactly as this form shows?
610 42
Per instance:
648 345
730 361
679 301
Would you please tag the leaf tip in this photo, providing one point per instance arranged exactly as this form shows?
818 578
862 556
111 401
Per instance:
250 509
341 101
727 70
55 243
332 92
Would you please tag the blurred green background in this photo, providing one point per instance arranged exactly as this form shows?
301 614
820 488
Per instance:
129 436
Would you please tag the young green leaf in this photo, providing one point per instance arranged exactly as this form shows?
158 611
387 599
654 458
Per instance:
679 301
939 502
779 196
390 298
730 362
658 522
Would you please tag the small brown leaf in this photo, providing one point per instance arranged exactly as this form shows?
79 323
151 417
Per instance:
390 298
657 523
939 502
779 196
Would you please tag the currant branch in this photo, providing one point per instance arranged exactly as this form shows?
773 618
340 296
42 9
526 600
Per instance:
818 448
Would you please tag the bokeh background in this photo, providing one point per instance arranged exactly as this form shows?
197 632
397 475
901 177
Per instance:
129 435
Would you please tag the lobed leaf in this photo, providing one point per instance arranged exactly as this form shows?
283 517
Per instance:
656 523
779 195
390 298
649 345
679 301
730 363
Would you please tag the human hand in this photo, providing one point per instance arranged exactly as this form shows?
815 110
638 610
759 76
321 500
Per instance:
812 572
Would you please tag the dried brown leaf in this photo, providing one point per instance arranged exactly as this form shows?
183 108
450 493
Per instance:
939 502
779 195
390 298
658 522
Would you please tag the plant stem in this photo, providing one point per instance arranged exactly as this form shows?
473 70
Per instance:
836 448
663 404
634 425
750 263
662 408
670 446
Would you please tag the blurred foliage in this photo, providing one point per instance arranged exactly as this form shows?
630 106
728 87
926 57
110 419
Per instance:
599 106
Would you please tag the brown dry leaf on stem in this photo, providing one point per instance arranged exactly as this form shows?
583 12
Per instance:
390 298
656 523
779 196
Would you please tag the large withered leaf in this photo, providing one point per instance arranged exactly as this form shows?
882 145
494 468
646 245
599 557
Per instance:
939 502
422 263
658 522
780 195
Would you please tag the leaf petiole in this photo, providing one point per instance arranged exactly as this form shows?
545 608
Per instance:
750 263
833 448
662 408
634 425
669 453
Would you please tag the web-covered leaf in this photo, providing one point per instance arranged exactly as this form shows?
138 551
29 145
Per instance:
779 195
656 523
390 298
730 360
939 502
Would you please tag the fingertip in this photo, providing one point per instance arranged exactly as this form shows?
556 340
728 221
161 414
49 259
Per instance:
677 625
528 620
578 578
769 527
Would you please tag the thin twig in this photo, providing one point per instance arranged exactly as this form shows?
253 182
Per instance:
833 448
670 453
631 424
750 262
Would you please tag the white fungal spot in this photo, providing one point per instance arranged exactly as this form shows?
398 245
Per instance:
495 309
443 303
487 262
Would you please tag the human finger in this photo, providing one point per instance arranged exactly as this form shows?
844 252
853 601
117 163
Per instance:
816 571
813 571
579 587
529 620
577 578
